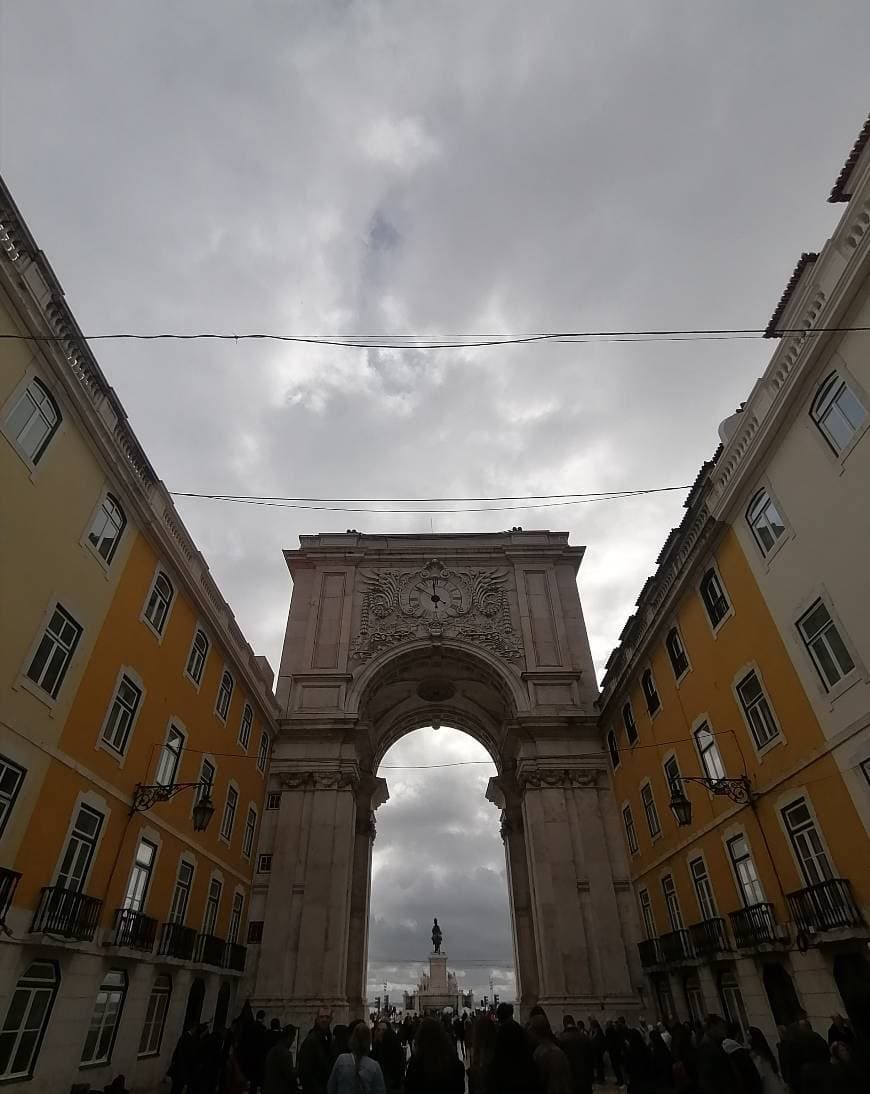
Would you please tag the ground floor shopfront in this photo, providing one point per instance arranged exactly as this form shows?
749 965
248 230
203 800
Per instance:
84 1015
770 988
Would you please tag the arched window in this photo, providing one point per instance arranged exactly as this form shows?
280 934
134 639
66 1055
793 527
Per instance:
629 723
676 652
763 518
613 749
245 726
155 1016
837 411
106 1015
157 608
33 421
708 750
648 687
263 753
105 533
713 595
225 693
198 654
27 1019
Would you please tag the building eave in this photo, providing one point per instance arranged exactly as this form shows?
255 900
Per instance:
805 260
842 190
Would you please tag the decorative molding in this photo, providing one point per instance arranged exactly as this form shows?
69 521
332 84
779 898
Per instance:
548 778
318 780
365 825
438 602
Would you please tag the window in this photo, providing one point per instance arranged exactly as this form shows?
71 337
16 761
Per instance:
629 723
140 876
732 1002
825 644
811 855
105 533
865 767
255 931
708 750
676 652
212 905
157 608
155 1016
703 888
197 656
648 687
104 1020
27 1018
672 775
264 864
649 808
838 412
181 893
714 598
250 830
744 869
263 753
11 778
33 421
55 651
225 693
116 731
672 904
646 913
756 710
236 918
763 518
613 749
245 726
273 799
80 848
229 817
630 831
170 757
207 773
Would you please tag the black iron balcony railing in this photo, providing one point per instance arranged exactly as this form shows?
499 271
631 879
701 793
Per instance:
177 941
754 926
675 946
649 951
133 929
210 949
825 906
68 913
708 937
8 884
234 957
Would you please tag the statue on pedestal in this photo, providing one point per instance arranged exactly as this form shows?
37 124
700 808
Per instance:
436 938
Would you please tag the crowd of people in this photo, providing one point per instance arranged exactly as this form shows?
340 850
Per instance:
492 1053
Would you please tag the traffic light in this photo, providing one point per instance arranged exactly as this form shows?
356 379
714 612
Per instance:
378 1004
495 999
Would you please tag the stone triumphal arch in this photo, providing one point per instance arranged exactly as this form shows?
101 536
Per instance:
387 633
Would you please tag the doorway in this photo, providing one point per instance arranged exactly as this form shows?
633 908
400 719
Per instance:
195 997
781 994
222 1007
852 974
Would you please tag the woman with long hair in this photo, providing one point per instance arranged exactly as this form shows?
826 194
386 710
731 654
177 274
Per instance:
481 1053
765 1062
434 1067
355 1072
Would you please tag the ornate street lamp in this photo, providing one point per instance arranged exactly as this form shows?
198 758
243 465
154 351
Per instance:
738 790
146 796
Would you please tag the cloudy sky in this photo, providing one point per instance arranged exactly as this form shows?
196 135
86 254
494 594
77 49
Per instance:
435 168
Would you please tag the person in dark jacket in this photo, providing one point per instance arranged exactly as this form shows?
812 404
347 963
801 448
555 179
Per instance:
579 1052
801 1048
278 1074
638 1064
718 1072
181 1066
841 1030
387 1050
316 1056
596 1040
615 1045
513 1069
662 1061
434 1067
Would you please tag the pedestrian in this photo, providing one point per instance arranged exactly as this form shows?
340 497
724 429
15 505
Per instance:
355 1072
180 1069
504 1012
765 1062
459 1035
614 1043
638 1063
578 1050
207 1062
387 1051
554 1071
513 1069
434 1067
803 1049
661 1060
841 1030
235 1081
596 1040
481 1055
315 1058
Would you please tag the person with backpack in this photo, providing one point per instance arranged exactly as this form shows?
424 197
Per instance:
355 1072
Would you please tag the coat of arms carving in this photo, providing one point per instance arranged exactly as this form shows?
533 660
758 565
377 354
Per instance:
435 601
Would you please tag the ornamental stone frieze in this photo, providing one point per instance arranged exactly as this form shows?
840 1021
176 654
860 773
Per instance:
318 780
435 601
548 778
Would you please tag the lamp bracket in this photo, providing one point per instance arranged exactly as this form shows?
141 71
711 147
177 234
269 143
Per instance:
146 796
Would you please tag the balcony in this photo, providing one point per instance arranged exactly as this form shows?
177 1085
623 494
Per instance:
675 946
649 951
708 937
825 907
68 913
754 926
210 950
8 884
177 941
234 957
133 929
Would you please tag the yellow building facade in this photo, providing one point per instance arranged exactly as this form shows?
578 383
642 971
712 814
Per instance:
131 710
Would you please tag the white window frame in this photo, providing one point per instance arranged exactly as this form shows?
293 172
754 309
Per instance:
658 833
762 498
220 691
698 883
276 794
671 778
613 749
159 571
112 498
133 901
713 568
672 908
263 752
209 921
795 796
837 379
740 678
8 798
34 988
700 723
135 680
50 698
185 859
156 1011
95 804
648 673
248 841
106 1015
231 795
632 740
648 923
197 681
245 735
237 917
832 690
21 392
630 829
209 760
264 863
172 724
678 676
729 837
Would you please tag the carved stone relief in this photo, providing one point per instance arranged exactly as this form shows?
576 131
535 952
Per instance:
549 777
318 780
435 601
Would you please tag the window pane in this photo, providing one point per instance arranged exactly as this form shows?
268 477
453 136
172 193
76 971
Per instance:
839 650
825 661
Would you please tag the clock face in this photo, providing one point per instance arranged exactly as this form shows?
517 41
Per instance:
435 597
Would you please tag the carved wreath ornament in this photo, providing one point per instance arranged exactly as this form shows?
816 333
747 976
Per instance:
400 605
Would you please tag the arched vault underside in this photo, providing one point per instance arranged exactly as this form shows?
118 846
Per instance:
390 633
